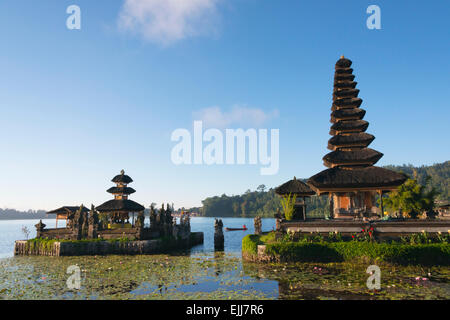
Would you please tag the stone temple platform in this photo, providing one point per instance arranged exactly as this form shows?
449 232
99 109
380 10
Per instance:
381 229
104 247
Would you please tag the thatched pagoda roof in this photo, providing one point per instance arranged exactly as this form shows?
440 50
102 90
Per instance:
343 63
354 156
349 126
68 209
346 84
344 77
120 205
346 93
347 114
122 178
365 177
121 190
351 162
295 186
346 103
360 139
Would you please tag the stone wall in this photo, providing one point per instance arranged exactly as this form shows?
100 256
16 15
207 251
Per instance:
79 248
381 229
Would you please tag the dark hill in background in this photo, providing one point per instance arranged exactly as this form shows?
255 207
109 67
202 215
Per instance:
12 214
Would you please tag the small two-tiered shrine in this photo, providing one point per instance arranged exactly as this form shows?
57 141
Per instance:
301 191
119 209
352 181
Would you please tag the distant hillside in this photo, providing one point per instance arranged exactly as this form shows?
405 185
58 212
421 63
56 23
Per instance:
12 214
265 203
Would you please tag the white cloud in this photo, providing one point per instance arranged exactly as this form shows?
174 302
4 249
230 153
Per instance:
167 21
214 117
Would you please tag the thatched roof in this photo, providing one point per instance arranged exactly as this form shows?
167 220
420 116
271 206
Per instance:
68 209
351 161
121 190
345 84
346 103
349 126
369 177
344 71
344 77
120 205
295 186
360 139
122 178
347 114
355 156
346 93
343 63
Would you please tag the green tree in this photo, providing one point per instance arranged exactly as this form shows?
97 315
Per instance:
261 188
244 209
412 199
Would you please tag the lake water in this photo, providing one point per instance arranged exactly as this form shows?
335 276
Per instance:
11 230
201 273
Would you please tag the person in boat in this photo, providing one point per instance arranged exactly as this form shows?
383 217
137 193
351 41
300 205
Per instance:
244 227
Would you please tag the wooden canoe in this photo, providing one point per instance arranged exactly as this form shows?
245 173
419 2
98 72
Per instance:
235 229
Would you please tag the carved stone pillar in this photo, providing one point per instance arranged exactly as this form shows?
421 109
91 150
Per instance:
93 224
140 220
40 229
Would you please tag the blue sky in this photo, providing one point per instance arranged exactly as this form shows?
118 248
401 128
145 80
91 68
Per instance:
77 106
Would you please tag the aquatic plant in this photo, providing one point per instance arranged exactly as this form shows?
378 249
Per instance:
287 203
26 231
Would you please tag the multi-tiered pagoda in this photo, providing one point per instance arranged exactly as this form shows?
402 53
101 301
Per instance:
352 181
120 207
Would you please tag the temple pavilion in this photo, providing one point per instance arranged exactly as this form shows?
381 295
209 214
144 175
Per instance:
301 190
120 207
352 181
64 213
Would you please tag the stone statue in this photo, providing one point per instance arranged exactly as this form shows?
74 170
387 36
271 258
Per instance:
39 229
153 217
278 220
218 235
169 219
93 223
258 225
140 220
77 225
